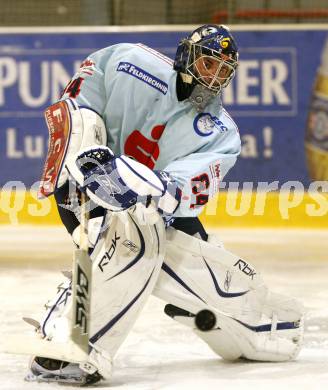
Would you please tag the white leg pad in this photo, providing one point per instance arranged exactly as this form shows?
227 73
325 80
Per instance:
251 321
127 259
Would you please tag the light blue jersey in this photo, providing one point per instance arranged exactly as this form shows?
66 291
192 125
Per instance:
133 88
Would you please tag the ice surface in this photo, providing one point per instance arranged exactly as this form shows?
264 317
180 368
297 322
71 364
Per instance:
160 353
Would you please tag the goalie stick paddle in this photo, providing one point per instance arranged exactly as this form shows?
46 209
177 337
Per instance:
81 284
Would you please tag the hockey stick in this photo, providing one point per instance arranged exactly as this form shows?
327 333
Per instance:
77 348
81 284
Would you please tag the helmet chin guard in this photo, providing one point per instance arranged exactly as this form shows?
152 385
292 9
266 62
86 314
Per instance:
200 97
208 56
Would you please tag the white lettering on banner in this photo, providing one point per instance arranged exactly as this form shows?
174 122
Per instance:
250 147
25 89
8 76
259 82
36 84
246 82
274 74
11 143
31 147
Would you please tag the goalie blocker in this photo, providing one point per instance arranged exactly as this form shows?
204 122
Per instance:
70 128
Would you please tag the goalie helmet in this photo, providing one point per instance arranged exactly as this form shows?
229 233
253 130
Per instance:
208 56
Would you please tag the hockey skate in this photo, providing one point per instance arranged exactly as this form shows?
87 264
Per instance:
51 370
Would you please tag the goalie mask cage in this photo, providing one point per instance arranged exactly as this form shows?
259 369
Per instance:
156 12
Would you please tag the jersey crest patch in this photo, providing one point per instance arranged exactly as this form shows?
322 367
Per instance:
205 124
142 75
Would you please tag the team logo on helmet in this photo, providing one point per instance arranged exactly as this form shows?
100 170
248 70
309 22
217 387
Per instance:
224 43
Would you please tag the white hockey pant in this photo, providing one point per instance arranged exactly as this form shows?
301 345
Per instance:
251 321
127 259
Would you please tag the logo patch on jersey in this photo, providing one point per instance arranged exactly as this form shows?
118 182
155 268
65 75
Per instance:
142 149
142 75
87 66
205 124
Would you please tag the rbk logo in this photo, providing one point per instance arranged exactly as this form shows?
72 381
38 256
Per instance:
109 254
244 267
142 149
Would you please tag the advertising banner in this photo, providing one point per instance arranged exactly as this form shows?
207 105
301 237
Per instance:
279 98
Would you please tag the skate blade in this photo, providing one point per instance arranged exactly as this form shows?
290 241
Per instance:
54 378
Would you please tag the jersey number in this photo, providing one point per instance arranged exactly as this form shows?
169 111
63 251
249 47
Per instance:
74 87
200 185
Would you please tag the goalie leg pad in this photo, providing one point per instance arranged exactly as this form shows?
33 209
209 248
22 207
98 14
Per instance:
251 321
126 262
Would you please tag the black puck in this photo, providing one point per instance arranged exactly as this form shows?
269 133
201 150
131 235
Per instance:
205 320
